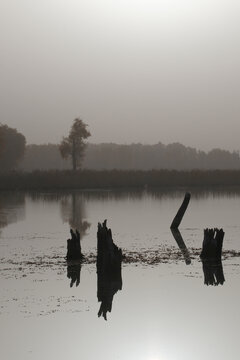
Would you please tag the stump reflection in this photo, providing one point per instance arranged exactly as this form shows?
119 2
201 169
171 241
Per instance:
73 272
109 275
213 272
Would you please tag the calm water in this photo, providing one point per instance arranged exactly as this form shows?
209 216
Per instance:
164 310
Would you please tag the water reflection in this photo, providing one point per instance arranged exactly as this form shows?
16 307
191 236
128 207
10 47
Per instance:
73 212
73 272
179 240
127 193
201 193
213 272
12 208
107 286
109 269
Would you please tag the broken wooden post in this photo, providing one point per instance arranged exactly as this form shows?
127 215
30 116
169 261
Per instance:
178 218
74 247
109 261
212 244
211 256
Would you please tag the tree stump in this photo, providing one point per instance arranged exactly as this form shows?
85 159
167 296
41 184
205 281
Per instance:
178 218
212 244
211 256
109 263
74 247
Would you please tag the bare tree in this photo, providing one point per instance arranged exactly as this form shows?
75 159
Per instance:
73 146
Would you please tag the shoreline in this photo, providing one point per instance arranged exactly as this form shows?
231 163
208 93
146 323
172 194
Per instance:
94 180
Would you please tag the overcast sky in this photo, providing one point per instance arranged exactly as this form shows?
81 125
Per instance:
134 70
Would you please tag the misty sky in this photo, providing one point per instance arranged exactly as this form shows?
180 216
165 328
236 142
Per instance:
134 70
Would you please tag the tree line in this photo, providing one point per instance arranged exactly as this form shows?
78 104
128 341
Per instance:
13 147
131 157
74 153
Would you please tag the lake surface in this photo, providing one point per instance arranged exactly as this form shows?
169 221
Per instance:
164 311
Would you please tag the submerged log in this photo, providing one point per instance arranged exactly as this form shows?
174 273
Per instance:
213 272
109 263
212 244
178 218
74 251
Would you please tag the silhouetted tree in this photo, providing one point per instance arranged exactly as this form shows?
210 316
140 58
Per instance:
73 146
12 147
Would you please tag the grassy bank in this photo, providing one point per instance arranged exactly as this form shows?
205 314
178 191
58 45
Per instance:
89 179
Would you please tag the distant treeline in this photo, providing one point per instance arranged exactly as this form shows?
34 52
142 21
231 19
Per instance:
12 148
131 157
118 179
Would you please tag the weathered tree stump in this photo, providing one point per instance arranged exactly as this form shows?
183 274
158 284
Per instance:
109 262
213 272
178 218
211 256
74 247
212 244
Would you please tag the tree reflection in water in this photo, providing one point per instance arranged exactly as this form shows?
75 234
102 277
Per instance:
73 212
12 208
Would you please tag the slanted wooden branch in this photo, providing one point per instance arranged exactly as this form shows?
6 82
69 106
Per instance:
74 247
109 261
212 244
178 237
178 218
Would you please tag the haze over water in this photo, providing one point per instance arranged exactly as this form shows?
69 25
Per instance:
164 310
146 71
135 71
